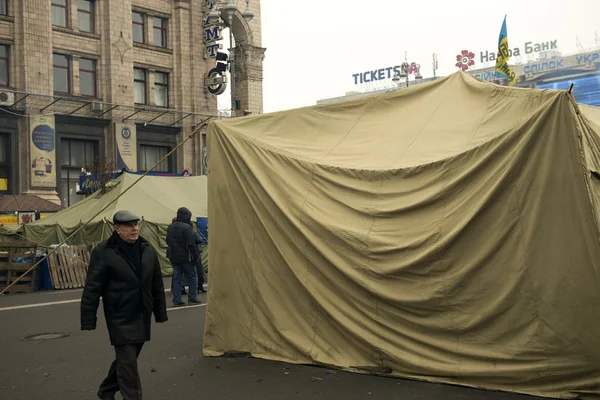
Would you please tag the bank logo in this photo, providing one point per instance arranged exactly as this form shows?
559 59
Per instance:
465 60
126 133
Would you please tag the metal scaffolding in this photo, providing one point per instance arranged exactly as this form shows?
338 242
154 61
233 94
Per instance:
76 106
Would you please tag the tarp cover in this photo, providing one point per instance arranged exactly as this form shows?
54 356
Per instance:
154 198
447 232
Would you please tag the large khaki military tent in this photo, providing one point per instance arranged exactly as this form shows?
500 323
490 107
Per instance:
154 198
447 232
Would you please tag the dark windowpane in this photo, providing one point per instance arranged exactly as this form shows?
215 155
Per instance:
73 186
89 154
161 94
60 60
61 80
85 5
59 12
4 7
160 32
4 149
140 93
77 153
150 155
87 77
161 89
138 27
161 77
137 17
64 192
86 64
139 85
74 155
61 73
138 33
68 186
3 72
139 74
85 21
4 66
157 37
64 152
87 83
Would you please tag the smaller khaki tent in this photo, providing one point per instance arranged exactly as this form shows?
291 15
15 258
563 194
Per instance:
154 198
592 113
446 232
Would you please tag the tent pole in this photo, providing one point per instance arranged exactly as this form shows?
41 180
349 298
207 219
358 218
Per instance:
201 125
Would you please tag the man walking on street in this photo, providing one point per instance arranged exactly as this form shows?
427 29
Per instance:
183 254
124 271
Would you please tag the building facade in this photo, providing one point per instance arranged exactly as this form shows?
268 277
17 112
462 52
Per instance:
118 83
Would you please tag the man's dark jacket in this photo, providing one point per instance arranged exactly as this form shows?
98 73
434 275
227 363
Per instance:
129 294
181 239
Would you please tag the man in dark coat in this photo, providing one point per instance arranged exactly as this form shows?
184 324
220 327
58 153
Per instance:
183 253
124 271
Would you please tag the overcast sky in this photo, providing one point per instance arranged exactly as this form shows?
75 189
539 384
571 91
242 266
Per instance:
315 46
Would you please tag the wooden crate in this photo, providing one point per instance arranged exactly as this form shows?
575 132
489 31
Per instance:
11 270
68 266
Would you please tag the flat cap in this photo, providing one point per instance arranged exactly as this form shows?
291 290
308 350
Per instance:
124 216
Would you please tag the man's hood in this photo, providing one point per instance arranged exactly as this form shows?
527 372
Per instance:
184 215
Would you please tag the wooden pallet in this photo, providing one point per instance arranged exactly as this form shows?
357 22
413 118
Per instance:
68 266
10 270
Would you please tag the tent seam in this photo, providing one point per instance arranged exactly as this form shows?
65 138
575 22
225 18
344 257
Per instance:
368 264
302 214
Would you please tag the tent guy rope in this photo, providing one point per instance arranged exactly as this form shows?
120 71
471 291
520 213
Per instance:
201 125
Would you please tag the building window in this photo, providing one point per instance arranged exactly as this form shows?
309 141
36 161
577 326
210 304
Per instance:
5 169
161 89
59 12
85 15
149 155
139 86
138 27
160 31
3 7
87 77
75 154
62 74
4 66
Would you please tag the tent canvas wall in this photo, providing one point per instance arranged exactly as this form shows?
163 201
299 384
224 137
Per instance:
154 198
447 232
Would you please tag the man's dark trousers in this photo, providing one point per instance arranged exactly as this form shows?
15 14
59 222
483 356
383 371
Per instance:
123 374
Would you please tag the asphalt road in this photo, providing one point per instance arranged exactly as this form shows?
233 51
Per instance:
171 365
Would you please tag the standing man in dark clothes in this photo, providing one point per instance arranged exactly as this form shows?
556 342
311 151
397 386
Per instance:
124 271
169 257
183 254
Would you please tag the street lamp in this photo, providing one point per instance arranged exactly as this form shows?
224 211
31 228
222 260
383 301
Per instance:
226 13
405 70
403 74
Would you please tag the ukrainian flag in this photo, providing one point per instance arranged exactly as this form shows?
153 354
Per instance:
502 66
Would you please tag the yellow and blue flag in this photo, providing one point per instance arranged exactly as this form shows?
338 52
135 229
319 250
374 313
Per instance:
502 66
